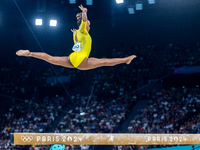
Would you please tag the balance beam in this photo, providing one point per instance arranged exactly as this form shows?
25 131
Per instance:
103 139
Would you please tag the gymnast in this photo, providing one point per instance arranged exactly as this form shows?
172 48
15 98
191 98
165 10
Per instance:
80 57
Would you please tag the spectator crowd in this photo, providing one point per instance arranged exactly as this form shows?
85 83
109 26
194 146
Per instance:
29 116
169 111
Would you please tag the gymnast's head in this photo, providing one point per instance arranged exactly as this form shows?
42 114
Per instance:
57 147
79 20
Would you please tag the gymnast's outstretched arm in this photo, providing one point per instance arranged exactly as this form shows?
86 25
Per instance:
84 13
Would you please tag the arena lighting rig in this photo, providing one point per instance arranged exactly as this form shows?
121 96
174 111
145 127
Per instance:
137 5
38 22
72 1
119 1
131 9
151 1
53 22
88 2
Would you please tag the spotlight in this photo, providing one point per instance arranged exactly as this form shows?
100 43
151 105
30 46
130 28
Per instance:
119 1
138 5
89 2
151 1
72 1
38 22
131 10
53 22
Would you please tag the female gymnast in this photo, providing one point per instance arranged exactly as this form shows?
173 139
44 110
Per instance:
80 57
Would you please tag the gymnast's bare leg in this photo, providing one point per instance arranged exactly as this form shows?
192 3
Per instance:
86 64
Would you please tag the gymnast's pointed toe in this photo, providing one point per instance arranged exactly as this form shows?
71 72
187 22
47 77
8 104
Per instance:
23 53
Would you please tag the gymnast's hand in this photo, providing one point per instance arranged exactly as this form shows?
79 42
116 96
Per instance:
83 9
73 30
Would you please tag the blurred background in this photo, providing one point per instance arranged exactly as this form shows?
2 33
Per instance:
157 93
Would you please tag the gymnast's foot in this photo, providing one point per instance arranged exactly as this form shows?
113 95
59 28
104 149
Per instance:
129 59
23 53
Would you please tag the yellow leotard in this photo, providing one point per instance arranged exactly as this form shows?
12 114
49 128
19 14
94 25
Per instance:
85 43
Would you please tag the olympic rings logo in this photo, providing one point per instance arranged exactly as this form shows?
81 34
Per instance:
26 138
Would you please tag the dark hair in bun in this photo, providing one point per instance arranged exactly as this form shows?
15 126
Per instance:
79 18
